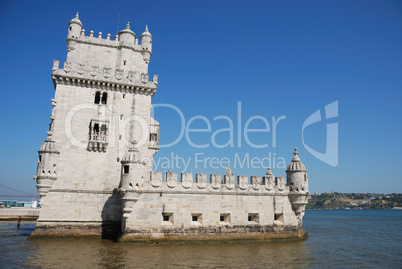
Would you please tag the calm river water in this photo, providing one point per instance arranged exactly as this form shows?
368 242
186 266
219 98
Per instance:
337 239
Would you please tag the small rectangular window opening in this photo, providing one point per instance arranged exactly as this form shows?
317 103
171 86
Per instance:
253 217
126 169
196 218
278 217
167 218
224 218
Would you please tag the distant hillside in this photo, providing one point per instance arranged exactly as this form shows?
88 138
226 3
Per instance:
336 200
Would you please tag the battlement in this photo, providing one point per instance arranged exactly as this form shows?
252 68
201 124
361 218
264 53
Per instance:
100 40
124 53
266 185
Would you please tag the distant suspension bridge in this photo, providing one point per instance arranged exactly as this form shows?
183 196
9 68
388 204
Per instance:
21 193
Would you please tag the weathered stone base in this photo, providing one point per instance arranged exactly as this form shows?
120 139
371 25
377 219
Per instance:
196 235
104 230
236 234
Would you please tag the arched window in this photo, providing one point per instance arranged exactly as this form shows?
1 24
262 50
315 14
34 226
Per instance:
97 97
104 98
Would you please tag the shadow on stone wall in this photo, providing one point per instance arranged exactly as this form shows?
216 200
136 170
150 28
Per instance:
111 217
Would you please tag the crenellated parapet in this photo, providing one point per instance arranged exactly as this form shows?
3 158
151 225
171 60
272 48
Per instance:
124 39
168 182
96 60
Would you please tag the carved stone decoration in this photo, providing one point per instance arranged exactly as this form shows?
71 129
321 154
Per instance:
94 70
144 78
107 72
243 182
156 179
201 180
119 74
186 180
255 182
55 65
268 183
128 201
131 75
171 179
81 69
215 181
68 66
280 183
155 79
229 181
54 106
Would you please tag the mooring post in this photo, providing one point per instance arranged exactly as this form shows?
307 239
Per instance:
19 222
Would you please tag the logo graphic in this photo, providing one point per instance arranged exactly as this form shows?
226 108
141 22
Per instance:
331 150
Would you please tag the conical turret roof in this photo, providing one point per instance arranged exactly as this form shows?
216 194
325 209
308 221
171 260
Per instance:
49 146
75 20
127 30
132 154
296 164
146 33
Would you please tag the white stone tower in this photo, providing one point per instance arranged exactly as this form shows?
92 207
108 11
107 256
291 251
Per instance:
102 103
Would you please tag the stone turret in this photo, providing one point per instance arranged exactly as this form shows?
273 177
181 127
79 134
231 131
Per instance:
129 162
297 175
132 176
127 37
146 45
46 173
74 31
298 185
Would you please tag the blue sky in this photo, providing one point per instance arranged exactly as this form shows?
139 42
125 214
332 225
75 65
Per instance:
278 58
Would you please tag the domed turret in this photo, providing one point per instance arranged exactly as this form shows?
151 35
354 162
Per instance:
48 147
297 175
129 165
74 31
126 36
131 156
298 185
146 45
131 179
46 173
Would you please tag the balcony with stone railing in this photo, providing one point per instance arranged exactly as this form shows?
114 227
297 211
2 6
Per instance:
97 141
